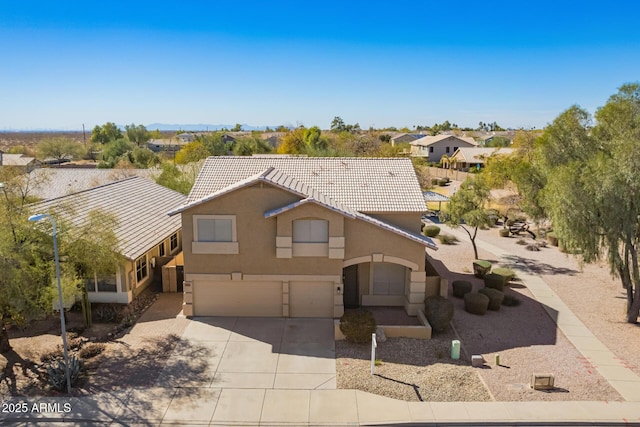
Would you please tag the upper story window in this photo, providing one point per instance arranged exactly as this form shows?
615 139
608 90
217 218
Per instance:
214 234
161 249
431 149
173 242
310 231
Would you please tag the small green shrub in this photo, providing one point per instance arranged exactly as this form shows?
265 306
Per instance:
504 232
521 242
507 273
443 181
495 297
481 267
461 287
439 312
447 239
431 230
494 281
90 350
511 301
57 372
434 181
377 362
552 238
358 325
476 303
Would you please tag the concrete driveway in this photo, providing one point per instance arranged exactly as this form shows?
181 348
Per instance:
253 353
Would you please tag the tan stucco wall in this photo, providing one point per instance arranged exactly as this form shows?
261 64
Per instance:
256 235
409 221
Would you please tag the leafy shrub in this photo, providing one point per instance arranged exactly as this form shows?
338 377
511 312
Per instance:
358 325
447 239
439 312
552 238
495 297
461 287
443 181
434 181
476 303
494 281
481 268
521 242
431 230
90 350
504 232
511 301
532 247
57 375
507 273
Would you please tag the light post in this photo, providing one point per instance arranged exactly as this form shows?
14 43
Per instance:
38 217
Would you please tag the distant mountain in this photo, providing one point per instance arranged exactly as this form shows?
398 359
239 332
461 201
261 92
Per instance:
200 127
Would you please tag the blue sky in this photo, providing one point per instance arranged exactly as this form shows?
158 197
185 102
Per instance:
394 63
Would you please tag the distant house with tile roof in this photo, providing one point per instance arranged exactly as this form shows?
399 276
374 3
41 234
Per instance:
146 235
20 161
303 236
432 148
466 158
405 137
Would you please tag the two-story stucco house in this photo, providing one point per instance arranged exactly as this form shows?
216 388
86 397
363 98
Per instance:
433 148
303 237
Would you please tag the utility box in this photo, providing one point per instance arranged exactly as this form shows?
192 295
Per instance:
542 381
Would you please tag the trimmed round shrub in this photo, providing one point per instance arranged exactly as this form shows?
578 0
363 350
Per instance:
447 239
504 232
552 238
443 181
494 281
431 230
461 287
439 312
481 267
507 273
476 303
434 181
495 297
358 325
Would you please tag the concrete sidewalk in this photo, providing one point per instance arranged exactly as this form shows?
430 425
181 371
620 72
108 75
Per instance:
198 406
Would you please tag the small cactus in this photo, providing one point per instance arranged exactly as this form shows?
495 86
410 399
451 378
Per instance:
57 374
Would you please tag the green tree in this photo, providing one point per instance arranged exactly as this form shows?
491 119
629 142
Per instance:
251 145
214 144
144 158
192 152
593 186
179 179
115 149
468 208
139 134
237 128
293 142
106 133
59 148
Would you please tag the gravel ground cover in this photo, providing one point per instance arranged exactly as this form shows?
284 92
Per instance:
410 369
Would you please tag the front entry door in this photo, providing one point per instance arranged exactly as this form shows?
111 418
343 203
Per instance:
350 283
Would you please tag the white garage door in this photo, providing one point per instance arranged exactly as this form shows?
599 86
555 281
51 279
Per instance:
311 299
238 298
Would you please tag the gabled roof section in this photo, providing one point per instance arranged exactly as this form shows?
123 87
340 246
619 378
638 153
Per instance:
277 178
16 160
478 154
139 205
430 140
374 185
357 215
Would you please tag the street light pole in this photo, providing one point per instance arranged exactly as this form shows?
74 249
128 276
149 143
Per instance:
38 217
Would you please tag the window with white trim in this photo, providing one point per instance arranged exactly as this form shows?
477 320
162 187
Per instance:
310 231
141 268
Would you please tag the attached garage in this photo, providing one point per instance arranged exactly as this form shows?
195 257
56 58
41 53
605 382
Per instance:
237 298
311 299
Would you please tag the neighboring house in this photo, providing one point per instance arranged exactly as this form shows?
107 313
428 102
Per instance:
473 157
146 235
303 237
433 148
186 137
20 161
406 137
165 145
49 183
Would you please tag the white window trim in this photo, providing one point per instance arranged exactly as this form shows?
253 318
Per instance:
146 260
177 248
198 247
